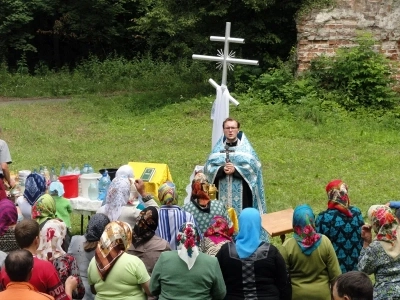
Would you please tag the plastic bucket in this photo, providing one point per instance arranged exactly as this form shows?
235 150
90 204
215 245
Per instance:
111 172
85 181
70 183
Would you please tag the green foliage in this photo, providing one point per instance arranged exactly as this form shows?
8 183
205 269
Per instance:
363 76
356 77
112 75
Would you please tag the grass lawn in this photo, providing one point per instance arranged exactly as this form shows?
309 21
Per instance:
301 149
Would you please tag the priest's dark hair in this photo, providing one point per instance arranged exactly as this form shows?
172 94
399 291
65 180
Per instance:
230 119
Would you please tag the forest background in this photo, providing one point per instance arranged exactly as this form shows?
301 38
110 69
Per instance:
133 93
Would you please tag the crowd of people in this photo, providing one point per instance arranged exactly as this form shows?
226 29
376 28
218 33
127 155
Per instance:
136 247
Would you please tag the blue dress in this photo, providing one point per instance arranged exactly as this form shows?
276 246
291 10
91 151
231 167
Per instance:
344 233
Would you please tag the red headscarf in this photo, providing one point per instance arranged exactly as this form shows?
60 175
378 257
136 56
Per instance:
219 230
337 197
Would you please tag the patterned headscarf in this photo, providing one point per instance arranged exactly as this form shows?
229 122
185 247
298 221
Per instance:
96 227
218 230
248 238
188 240
35 186
337 197
114 241
145 227
57 186
167 194
304 229
117 197
44 209
385 225
8 215
125 171
51 239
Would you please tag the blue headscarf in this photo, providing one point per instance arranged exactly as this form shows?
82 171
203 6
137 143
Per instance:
304 229
35 186
248 239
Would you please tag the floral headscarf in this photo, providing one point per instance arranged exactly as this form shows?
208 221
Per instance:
44 209
96 227
304 229
35 186
385 225
167 194
218 230
188 240
117 197
200 197
337 197
8 215
114 241
145 226
51 239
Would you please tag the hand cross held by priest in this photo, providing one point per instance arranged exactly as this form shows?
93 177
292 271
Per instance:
233 166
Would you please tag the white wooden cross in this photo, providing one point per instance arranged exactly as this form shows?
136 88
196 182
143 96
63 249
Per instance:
225 60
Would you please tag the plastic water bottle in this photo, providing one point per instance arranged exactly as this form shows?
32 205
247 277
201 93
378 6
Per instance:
104 183
53 176
90 169
41 171
93 191
77 171
69 171
84 169
62 170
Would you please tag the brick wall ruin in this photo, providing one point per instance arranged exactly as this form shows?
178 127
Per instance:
325 30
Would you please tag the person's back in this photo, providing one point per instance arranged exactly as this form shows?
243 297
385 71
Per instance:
202 282
44 276
19 265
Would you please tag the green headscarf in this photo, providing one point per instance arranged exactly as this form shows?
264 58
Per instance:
44 209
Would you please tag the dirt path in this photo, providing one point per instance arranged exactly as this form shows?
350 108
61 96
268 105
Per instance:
12 100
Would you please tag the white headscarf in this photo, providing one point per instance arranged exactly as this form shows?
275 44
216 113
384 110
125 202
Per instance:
125 171
188 240
117 197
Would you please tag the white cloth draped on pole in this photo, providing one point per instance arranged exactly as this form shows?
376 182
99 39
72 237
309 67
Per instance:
219 112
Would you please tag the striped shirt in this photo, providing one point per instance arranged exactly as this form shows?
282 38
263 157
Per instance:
170 219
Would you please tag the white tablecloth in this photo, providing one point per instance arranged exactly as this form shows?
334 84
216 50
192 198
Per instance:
85 206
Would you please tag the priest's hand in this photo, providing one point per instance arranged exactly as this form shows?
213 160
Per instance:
229 168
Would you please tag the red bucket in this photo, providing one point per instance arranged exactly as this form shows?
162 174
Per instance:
70 183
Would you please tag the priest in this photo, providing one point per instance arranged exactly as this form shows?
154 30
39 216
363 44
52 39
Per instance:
233 166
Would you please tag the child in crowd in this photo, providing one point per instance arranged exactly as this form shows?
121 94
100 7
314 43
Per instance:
63 205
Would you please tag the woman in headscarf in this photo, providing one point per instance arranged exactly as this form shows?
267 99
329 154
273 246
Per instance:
202 208
113 273
187 273
171 216
381 256
51 239
126 171
216 235
341 223
8 220
82 248
145 244
44 210
253 269
35 186
310 258
117 205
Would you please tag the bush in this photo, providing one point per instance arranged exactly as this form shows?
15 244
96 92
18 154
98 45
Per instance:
363 76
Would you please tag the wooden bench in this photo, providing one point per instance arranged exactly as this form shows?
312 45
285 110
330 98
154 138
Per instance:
278 223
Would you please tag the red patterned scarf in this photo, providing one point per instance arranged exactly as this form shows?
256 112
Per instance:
338 198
